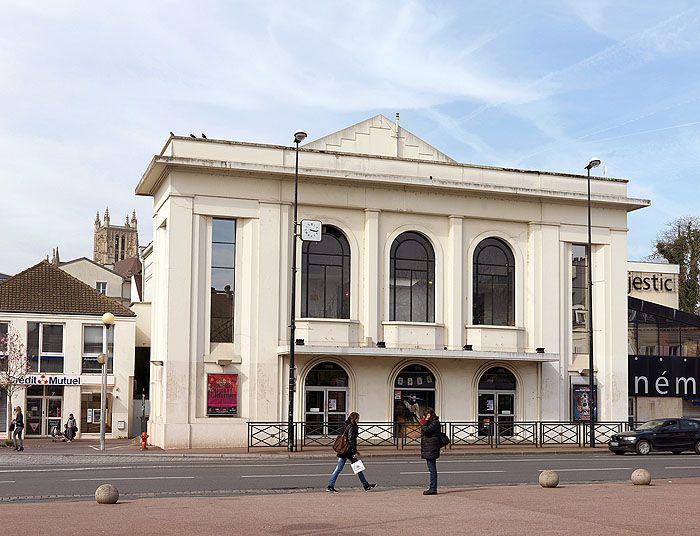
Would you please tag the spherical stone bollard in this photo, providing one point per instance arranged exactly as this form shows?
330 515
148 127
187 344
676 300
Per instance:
549 479
641 477
106 494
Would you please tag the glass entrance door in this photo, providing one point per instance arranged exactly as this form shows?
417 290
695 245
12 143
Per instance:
325 410
496 411
34 416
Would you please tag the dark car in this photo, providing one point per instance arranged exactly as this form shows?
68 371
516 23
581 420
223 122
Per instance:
675 435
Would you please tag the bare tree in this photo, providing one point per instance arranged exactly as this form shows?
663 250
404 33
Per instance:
679 244
14 366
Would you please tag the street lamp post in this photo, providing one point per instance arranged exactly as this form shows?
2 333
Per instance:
594 162
103 359
299 136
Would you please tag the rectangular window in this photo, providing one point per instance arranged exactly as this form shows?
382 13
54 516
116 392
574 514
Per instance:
579 298
90 413
93 337
101 287
223 268
45 347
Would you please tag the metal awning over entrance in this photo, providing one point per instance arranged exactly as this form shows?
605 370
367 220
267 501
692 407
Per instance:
532 357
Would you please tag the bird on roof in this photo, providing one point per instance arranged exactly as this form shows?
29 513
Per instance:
193 136
171 133
204 136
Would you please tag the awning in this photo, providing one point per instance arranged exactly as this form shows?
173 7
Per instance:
417 352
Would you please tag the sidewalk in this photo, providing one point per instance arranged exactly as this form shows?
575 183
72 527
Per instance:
592 509
129 447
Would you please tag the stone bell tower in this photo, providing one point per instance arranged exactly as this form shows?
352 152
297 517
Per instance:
114 243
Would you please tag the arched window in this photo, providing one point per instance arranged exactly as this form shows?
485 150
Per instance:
496 404
494 284
414 390
412 278
325 276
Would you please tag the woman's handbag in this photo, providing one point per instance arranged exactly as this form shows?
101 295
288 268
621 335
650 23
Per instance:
357 467
444 439
341 445
12 427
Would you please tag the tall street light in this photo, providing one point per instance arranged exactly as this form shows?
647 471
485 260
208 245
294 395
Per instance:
299 136
595 162
103 359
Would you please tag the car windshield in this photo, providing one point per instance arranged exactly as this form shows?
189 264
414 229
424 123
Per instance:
651 425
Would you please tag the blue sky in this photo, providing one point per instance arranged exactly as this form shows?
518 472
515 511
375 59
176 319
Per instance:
90 91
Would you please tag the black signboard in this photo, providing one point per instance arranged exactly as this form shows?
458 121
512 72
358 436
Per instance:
664 376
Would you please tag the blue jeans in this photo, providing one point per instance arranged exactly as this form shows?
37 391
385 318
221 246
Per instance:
339 469
432 469
17 437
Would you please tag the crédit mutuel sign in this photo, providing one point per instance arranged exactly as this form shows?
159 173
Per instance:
43 379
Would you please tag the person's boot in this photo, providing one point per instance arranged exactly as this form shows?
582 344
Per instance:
331 489
430 492
370 487
20 449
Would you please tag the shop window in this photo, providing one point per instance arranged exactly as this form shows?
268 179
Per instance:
325 399
93 337
90 413
414 391
325 276
412 278
223 269
494 284
45 347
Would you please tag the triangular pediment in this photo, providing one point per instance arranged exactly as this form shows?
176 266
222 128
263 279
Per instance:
379 136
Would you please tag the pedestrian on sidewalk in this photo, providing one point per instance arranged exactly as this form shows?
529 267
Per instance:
351 432
71 428
430 446
19 428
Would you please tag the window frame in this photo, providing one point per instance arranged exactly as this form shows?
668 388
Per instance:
425 242
102 284
510 266
233 269
343 307
41 353
90 356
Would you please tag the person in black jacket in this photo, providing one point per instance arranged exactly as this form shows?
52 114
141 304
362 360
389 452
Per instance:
430 446
19 428
352 455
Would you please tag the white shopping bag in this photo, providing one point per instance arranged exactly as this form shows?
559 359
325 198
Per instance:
357 467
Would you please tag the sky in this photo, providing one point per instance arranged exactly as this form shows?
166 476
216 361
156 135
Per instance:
90 90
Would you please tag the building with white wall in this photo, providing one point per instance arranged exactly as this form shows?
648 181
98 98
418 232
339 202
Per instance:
58 318
436 283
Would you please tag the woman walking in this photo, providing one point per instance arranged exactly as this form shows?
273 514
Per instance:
19 428
351 431
430 446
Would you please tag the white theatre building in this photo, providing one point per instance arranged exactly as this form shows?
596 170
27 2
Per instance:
435 283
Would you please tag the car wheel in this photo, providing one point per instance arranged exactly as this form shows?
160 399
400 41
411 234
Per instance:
643 447
697 447
618 452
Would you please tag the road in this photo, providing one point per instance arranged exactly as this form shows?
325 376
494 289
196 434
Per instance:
35 477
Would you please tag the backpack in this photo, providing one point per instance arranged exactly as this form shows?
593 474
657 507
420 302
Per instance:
341 445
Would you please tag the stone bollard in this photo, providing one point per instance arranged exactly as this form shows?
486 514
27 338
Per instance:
640 477
549 479
106 494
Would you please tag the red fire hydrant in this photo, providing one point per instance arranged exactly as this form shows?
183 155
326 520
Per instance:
144 437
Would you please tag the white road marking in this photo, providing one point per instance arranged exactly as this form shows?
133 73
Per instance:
448 472
133 478
296 476
590 469
7 481
686 467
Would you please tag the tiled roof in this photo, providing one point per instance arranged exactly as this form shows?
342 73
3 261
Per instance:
128 267
45 288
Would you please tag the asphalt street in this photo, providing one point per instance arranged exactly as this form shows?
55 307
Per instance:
33 477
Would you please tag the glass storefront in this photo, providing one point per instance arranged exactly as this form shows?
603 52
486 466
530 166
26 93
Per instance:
414 390
325 399
44 409
90 413
496 404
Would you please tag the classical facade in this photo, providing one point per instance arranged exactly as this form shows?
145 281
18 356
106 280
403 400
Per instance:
114 243
435 283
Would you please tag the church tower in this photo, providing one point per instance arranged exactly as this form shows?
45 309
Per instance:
114 243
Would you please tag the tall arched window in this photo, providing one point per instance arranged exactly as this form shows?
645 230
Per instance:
325 276
494 283
412 279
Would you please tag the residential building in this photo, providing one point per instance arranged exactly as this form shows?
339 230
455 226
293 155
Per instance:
435 283
58 318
